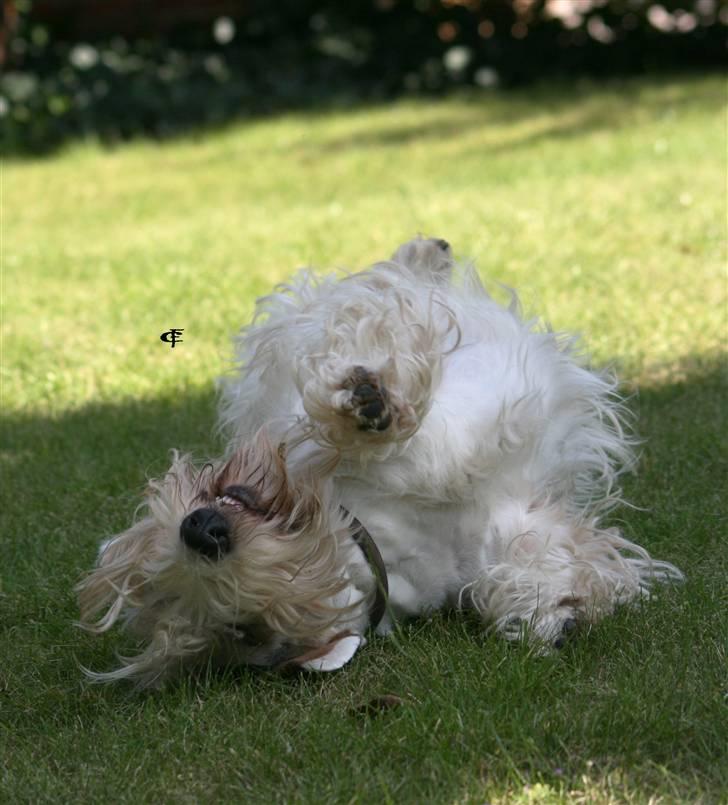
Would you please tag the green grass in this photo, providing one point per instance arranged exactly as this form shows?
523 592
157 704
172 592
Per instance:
605 206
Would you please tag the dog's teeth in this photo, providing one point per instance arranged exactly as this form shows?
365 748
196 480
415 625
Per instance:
226 500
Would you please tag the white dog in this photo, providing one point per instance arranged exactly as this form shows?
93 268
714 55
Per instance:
399 443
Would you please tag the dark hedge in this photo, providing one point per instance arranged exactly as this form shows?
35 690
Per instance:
267 56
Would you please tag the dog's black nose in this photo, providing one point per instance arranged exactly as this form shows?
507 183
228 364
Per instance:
207 532
443 244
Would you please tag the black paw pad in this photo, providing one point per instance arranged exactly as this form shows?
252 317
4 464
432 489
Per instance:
369 399
569 626
568 629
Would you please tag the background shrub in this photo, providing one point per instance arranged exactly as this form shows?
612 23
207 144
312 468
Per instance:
131 67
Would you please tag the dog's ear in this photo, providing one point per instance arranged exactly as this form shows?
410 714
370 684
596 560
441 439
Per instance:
114 583
330 657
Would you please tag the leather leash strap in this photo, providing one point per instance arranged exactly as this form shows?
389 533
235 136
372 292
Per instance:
374 559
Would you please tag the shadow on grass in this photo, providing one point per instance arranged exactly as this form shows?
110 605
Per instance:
683 469
84 470
579 102
581 108
70 467
71 480
103 452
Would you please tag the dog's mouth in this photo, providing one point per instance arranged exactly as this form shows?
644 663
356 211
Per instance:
240 498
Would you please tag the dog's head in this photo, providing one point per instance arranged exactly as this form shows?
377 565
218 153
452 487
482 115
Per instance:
234 562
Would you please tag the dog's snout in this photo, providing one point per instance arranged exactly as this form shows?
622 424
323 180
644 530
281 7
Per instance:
207 532
443 244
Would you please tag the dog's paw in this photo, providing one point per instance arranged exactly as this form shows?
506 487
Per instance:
545 631
569 628
369 402
557 629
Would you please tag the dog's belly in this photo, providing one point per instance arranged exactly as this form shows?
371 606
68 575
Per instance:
430 551
482 431
429 505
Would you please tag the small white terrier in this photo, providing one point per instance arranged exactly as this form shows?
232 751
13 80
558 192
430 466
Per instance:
402 409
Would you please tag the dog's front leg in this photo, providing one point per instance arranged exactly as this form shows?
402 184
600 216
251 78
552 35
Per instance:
366 400
367 363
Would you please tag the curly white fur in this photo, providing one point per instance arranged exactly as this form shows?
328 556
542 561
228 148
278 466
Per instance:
504 452
478 449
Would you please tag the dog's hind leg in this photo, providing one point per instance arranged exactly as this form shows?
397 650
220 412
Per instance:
545 572
430 258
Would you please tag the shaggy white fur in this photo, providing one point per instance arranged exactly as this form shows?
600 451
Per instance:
478 449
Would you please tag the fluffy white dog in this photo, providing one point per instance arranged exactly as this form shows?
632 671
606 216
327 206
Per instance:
399 443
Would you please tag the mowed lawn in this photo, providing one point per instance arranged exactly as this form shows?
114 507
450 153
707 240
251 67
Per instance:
605 206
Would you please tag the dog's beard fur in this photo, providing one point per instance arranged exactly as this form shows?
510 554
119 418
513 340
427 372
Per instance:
275 595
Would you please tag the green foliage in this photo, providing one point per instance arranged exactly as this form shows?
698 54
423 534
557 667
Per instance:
604 206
